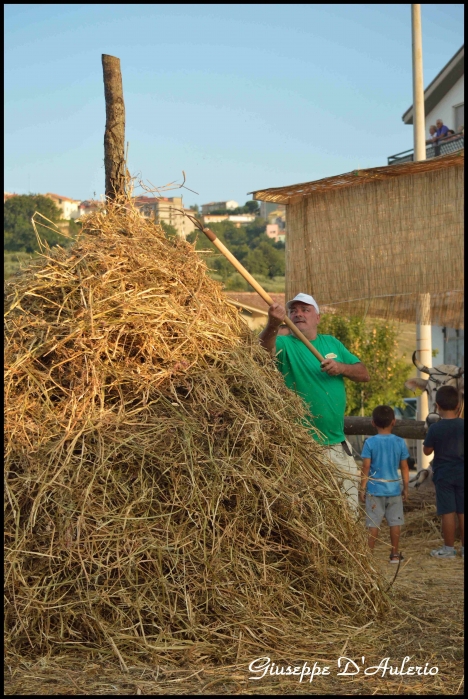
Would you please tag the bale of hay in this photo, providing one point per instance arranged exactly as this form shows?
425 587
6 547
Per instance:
162 496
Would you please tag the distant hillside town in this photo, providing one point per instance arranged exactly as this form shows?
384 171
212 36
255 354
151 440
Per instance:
171 211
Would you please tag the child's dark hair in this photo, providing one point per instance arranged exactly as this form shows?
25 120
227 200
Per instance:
383 415
447 397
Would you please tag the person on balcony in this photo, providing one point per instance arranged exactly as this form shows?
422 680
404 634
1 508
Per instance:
451 135
432 131
441 132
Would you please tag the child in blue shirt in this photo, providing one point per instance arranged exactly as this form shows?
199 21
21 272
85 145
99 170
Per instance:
446 439
380 483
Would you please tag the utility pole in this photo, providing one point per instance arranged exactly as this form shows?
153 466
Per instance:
114 136
423 311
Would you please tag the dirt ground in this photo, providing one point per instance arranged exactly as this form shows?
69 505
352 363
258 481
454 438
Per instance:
427 627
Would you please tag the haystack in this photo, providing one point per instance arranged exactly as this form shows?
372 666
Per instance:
162 496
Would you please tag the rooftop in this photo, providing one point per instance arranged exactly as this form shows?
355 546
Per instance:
294 193
60 196
151 200
441 84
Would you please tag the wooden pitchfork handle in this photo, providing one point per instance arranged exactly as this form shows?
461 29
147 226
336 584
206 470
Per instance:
248 277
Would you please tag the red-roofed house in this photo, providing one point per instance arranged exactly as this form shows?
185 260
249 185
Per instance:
89 206
68 207
167 209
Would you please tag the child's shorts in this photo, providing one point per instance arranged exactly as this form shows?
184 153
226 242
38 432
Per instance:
379 506
450 491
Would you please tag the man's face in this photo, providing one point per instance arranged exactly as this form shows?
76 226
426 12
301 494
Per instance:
439 123
304 316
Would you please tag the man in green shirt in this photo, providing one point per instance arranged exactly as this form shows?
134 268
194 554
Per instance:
320 385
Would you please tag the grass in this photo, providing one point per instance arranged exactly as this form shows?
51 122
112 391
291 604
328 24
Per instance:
14 261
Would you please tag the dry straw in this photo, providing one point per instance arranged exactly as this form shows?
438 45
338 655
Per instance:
162 497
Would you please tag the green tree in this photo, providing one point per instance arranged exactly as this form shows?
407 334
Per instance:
235 282
169 231
375 343
256 232
274 258
266 260
19 233
74 228
221 266
251 207
248 244
256 263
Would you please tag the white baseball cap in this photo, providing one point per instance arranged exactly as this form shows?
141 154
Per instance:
304 298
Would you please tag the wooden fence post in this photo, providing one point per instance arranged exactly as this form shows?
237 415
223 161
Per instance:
114 136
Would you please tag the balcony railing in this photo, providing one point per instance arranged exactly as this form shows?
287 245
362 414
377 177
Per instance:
450 145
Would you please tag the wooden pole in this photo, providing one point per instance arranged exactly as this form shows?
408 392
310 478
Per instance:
408 429
114 136
423 312
260 290
419 128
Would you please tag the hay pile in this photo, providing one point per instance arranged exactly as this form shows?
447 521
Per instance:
161 497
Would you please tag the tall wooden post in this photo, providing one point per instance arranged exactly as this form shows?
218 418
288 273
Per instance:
423 311
114 136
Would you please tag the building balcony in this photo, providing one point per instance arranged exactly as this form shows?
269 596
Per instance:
444 147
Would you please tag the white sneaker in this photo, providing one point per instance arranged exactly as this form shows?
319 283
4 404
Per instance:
444 552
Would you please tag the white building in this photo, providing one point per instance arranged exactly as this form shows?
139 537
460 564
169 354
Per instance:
242 219
275 232
444 99
448 345
238 219
271 210
90 206
219 206
169 210
70 208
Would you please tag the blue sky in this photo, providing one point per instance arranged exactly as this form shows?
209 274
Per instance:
241 97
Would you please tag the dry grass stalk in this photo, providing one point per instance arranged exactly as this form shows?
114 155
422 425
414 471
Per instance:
161 496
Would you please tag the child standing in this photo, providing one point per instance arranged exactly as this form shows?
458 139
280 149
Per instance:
382 455
446 439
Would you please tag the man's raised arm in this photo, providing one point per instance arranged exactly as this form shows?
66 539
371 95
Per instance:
276 315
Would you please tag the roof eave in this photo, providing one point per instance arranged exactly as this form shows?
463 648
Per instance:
441 84
296 193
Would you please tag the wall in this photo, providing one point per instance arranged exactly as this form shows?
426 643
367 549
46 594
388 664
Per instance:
454 347
450 343
267 208
437 344
368 240
70 209
445 109
169 211
219 205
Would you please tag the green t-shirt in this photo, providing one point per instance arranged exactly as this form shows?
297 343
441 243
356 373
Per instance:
325 395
